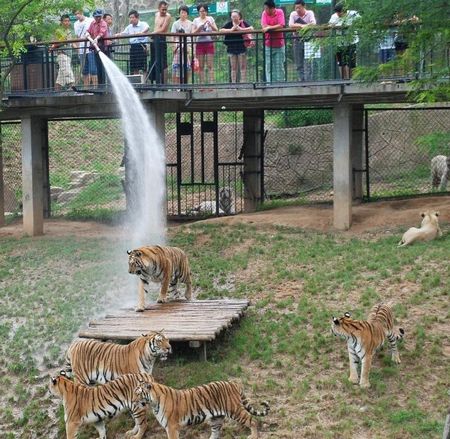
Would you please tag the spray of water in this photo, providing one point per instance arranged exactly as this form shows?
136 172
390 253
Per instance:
145 156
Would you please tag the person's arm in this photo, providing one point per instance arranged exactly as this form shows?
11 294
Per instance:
279 25
246 26
229 27
195 28
212 23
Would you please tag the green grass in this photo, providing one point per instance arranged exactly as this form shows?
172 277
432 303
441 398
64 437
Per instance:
282 350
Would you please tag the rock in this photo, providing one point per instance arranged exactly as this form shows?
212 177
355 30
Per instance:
55 192
69 195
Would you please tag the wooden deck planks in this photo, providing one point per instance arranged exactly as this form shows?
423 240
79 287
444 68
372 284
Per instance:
199 320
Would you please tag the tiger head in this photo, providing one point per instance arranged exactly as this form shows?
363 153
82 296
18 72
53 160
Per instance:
158 345
143 392
58 385
135 262
343 326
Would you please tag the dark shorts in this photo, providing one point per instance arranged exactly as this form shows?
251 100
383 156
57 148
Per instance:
346 56
163 53
138 57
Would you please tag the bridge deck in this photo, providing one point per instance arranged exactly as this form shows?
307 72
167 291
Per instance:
196 321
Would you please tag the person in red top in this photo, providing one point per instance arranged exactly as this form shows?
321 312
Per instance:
272 19
98 30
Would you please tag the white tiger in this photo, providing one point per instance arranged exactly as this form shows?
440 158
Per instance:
209 207
440 166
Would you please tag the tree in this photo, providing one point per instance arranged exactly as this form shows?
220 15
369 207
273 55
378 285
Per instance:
424 27
21 19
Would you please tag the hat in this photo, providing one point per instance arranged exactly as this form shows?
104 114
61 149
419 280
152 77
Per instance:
98 13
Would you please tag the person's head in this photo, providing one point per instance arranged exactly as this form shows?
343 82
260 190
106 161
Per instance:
236 16
202 9
98 15
162 8
79 14
299 6
183 10
65 21
269 7
133 17
339 9
108 18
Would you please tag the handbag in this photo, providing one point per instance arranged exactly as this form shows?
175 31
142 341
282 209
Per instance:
248 40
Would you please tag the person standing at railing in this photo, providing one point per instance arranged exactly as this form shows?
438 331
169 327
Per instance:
162 24
346 50
272 19
204 49
236 49
108 43
299 19
88 65
98 31
63 54
181 62
138 43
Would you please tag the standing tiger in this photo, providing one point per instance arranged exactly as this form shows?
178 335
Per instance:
92 405
166 265
211 402
92 361
440 172
364 337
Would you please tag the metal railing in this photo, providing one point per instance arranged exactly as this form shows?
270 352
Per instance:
177 61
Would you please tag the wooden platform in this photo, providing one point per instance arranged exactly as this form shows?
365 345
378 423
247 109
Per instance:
196 322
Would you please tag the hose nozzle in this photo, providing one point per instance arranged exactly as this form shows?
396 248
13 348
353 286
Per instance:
93 42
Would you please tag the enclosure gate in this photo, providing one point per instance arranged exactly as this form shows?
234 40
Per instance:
195 181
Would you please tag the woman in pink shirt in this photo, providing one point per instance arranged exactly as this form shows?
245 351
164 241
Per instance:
272 19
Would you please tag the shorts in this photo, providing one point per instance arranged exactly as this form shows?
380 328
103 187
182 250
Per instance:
346 56
65 73
176 69
87 60
138 57
205 48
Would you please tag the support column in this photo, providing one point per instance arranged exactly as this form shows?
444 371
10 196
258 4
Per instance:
342 166
157 118
2 185
253 158
357 150
32 175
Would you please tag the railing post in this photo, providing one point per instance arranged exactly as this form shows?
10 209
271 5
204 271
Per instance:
2 184
158 64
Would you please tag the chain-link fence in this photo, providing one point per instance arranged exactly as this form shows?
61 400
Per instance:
205 163
401 145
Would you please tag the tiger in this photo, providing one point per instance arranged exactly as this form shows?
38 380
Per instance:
364 337
429 230
440 169
211 402
159 264
92 405
96 362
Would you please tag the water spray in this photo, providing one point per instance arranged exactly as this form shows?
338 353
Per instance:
93 42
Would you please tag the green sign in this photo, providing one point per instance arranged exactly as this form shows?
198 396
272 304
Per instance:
216 8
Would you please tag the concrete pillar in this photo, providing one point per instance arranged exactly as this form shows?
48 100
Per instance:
357 149
253 158
2 185
32 175
342 166
158 120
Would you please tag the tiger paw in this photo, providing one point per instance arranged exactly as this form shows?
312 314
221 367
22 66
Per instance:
139 309
354 379
161 300
396 359
364 384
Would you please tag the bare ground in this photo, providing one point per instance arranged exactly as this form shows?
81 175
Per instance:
367 218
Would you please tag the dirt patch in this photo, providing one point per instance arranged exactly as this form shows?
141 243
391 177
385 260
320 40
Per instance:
368 218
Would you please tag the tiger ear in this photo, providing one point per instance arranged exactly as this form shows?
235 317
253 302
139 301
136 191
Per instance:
54 380
335 321
129 252
347 314
436 213
422 214
63 373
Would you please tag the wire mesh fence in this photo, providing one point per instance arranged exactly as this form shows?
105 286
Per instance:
401 146
205 162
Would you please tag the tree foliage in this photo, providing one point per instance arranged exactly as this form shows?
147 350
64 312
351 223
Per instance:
425 26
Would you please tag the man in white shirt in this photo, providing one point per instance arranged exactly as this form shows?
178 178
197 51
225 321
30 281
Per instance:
301 17
86 56
346 52
138 43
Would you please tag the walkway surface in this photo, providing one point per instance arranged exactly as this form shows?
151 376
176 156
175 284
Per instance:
196 321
